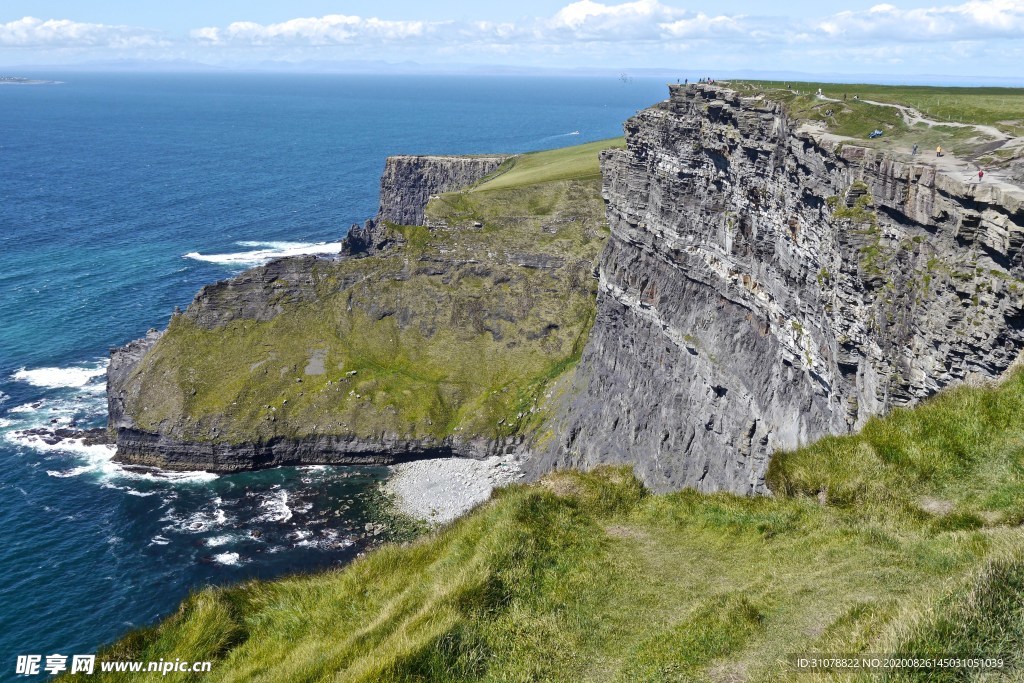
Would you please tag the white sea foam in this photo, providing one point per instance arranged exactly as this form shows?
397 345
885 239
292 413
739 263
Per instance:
276 506
27 407
3 398
70 473
230 559
215 541
62 408
159 540
328 540
267 251
55 378
199 521
99 460
107 485
97 455
187 477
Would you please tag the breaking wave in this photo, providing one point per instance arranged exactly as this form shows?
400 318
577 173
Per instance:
63 378
266 251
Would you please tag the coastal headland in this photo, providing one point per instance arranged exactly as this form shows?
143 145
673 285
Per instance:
757 369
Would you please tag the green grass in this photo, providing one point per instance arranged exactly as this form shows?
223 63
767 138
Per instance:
850 118
905 539
959 452
455 333
579 162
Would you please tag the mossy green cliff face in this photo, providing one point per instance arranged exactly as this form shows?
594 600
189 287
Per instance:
443 342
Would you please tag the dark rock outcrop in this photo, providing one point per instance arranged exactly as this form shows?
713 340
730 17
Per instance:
765 286
123 360
146 448
409 181
406 186
259 294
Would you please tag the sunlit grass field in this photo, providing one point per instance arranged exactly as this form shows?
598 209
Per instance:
999 107
905 538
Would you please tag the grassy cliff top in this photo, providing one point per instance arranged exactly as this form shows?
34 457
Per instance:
979 124
999 107
905 539
456 331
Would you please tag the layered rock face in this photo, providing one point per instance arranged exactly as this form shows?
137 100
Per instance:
408 182
406 186
764 287
123 360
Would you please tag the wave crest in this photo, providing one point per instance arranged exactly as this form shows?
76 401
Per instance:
267 251
62 378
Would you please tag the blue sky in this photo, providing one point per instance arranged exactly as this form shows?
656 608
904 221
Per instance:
983 38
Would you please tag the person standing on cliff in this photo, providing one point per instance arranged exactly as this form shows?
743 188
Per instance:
938 151
913 151
981 174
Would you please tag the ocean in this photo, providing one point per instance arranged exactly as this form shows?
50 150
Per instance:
123 194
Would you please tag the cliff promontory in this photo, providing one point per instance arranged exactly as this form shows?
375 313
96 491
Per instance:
766 284
435 341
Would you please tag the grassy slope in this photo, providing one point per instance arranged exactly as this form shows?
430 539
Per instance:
543 167
449 335
903 539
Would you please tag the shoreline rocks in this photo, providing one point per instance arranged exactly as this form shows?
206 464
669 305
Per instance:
438 491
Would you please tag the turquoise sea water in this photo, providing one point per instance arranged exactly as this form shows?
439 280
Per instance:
120 196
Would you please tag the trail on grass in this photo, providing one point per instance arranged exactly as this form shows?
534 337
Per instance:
949 162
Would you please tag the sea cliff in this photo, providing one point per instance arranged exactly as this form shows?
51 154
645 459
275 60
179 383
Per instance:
766 284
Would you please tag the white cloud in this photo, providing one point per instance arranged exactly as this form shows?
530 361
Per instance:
586 19
585 32
333 29
30 32
974 20
581 21
704 26
637 21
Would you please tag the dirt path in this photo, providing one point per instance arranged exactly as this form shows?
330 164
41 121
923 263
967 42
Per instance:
912 117
962 169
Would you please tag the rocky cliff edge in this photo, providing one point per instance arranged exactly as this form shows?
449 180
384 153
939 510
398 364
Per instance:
765 285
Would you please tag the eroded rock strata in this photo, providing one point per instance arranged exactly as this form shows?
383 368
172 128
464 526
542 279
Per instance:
763 287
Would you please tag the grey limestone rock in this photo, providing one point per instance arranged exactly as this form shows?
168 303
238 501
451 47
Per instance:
763 287
409 181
